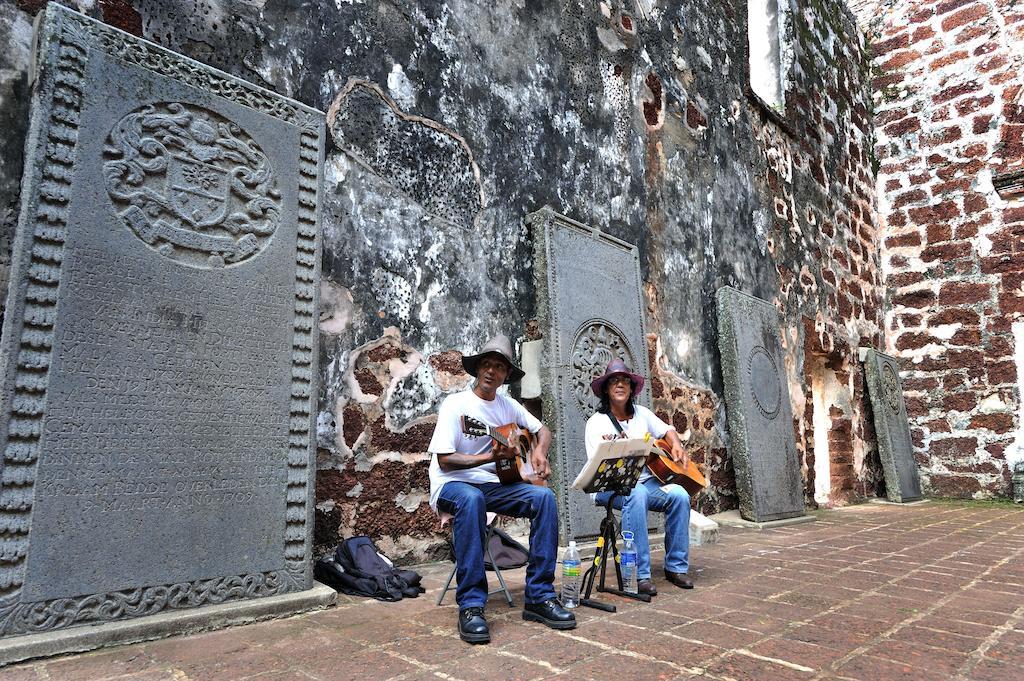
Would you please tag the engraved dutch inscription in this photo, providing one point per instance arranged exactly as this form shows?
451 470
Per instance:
159 348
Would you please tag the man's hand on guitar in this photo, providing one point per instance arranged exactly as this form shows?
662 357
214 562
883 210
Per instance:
539 453
540 464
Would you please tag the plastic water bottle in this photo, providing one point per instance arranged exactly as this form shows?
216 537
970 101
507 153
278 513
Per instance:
627 562
571 577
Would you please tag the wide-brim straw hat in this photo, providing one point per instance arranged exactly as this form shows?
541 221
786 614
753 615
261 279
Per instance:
616 366
499 345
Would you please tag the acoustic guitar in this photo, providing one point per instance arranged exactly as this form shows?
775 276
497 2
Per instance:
512 446
670 472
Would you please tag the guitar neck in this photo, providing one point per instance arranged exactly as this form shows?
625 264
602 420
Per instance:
493 433
477 428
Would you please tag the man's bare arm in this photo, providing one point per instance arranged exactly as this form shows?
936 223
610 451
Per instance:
454 461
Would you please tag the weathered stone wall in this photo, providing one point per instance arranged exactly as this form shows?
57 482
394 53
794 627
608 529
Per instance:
16 36
949 122
452 120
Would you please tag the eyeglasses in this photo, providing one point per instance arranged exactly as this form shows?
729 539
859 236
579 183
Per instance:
615 380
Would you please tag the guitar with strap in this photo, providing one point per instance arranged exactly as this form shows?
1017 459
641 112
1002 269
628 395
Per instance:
512 446
667 470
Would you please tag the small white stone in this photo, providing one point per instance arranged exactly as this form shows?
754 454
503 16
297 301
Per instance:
703 530
993 405
683 348
401 88
945 331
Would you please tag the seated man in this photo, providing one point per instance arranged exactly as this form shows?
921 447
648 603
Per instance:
463 482
618 416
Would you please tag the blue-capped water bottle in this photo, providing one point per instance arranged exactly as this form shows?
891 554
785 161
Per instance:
627 563
571 576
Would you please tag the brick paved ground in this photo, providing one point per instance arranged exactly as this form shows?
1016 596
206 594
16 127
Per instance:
869 592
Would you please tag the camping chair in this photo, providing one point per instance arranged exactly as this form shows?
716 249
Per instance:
492 524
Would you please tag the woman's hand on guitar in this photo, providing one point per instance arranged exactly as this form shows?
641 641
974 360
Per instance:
678 454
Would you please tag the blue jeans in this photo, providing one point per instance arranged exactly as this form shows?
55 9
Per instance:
675 503
469 503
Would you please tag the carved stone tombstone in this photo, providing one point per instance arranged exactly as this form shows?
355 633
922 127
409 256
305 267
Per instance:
590 309
159 347
760 418
895 448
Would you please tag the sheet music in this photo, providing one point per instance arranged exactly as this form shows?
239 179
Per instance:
611 450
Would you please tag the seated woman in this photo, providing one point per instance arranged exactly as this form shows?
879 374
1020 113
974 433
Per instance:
618 416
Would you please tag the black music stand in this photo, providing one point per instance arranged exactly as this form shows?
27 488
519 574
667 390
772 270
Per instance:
619 476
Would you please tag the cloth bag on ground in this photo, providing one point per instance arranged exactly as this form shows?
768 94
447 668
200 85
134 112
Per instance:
357 568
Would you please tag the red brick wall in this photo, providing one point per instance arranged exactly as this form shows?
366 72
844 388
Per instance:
947 86
823 239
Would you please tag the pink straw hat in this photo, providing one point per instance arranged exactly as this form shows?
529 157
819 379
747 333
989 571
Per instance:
616 366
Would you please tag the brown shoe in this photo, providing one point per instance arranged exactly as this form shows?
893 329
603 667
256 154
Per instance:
679 579
646 586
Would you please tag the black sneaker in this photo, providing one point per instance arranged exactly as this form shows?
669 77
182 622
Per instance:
473 626
549 613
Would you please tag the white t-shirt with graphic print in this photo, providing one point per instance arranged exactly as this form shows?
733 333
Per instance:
448 436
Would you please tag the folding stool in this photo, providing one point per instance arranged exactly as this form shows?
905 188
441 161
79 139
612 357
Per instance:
492 524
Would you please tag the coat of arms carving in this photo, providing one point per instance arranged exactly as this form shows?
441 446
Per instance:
191 184
597 342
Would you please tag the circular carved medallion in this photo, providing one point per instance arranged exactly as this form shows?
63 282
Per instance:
891 387
765 384
597 342
191 184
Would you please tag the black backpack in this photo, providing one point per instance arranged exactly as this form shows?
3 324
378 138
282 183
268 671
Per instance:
357 568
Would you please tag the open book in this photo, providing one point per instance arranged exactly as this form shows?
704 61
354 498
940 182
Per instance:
616 463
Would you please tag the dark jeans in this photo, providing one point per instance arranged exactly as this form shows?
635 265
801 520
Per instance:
469 503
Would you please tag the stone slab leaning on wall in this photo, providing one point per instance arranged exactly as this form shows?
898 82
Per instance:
768 477
902 482
158 349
